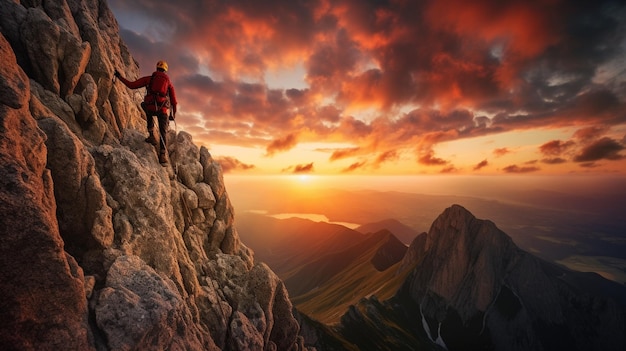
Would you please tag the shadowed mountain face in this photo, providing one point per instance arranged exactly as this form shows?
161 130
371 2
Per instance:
472 288
325 267
285 244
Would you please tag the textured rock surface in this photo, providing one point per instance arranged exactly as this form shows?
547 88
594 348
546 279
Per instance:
43 299
102 247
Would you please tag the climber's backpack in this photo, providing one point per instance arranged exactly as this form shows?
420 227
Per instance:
159 84
157 90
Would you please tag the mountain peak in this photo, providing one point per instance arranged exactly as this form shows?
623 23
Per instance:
471 288
472 278
465 258
389 253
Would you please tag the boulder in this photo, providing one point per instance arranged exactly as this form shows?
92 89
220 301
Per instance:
139 310
204 192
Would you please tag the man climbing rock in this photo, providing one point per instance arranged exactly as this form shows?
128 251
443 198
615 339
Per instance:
156 103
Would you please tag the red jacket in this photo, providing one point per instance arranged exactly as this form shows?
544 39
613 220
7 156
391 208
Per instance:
154 102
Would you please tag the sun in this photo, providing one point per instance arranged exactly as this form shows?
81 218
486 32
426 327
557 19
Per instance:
304 178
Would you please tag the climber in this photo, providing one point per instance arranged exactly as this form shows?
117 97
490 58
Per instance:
156 103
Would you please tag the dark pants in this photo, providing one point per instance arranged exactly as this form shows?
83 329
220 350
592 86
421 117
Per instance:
163 124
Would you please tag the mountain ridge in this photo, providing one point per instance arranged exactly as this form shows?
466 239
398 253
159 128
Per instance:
323 283
357 276
472 288
403 232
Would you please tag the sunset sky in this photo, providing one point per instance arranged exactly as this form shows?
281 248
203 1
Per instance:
404 87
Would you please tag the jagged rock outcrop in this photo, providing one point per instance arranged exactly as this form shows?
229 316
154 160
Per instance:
472 289
101 247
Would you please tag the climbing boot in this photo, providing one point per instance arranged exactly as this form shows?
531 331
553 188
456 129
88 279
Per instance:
151 140
162 157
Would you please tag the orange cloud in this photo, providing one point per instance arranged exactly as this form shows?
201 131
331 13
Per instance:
301 168
449 169
389 155
501 151
426 71
353 167
344 153
284 144
481 164
427 157
555 147
231 164
517 169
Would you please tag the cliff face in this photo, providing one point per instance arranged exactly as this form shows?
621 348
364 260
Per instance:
100 246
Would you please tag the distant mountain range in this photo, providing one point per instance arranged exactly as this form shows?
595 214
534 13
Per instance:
403 232
554 230
464 285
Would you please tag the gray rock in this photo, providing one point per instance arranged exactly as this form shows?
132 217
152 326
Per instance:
139 309
212 173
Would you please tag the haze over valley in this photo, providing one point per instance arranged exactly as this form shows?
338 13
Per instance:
576 222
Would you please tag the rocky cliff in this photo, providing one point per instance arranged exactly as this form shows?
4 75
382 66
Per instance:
102 248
